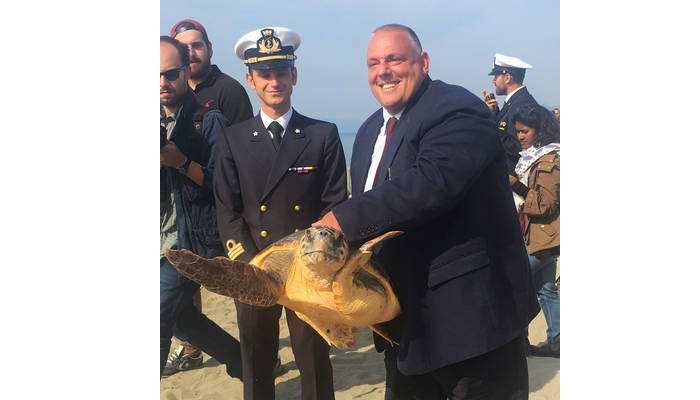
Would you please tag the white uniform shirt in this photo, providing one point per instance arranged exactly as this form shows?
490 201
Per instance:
283 120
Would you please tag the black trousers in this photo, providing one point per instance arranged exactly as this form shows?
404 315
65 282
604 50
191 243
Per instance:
500 374
259 334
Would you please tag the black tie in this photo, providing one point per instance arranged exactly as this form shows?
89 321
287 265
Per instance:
276 130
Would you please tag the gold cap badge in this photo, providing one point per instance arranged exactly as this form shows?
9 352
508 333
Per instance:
268 44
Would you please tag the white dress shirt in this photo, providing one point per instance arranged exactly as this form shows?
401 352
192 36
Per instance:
379 148
283 120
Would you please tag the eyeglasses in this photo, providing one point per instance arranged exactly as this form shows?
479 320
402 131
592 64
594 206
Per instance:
172 74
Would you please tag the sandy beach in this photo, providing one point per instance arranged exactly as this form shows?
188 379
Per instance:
358 373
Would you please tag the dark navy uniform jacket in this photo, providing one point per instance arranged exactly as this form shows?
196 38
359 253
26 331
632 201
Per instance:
194 204
461 268
506 126
263 195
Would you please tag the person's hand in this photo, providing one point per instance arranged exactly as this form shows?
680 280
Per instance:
329 221
512 179
171 156
491 103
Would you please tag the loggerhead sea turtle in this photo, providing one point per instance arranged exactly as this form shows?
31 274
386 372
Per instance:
311 272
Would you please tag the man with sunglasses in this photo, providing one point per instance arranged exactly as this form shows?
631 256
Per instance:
187 207
275 174
508 76
214 89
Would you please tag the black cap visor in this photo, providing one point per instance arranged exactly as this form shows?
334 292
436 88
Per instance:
272 64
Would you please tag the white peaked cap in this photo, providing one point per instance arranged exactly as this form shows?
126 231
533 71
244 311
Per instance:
286 36
507 61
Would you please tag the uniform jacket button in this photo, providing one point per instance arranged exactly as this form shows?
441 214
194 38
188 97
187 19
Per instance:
263 233
263 208
297 208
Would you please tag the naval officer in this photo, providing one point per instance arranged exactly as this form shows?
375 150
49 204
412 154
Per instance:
275 174
508 76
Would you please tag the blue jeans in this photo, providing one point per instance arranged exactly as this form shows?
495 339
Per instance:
178 311
544 273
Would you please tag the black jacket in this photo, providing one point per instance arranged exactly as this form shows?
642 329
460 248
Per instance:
219 91
258 199
506 126
461 269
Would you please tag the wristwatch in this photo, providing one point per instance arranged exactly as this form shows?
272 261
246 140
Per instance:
183 168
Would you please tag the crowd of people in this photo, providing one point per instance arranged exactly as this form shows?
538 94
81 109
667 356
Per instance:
474 188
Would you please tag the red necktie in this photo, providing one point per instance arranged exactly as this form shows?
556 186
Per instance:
389 128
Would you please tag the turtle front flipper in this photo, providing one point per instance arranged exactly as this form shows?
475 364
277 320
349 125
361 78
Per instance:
359 258
231 278
339 335
360 290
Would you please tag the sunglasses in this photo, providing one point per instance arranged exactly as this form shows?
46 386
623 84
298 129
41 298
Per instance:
172 74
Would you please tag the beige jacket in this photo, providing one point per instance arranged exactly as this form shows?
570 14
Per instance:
541 207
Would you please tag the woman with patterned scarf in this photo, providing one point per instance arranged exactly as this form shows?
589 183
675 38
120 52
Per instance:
537 196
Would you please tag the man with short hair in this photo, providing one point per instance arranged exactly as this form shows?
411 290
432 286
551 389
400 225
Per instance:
188 218
216 91
430 163
212 88
275 174
508 77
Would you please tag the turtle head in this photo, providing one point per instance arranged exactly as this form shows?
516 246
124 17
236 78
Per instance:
324 250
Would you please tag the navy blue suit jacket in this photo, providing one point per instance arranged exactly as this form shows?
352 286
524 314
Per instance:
460 270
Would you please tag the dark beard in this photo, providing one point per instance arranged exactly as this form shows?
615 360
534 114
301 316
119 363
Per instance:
201 75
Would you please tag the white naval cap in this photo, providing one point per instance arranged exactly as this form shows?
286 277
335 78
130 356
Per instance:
270 47
507 64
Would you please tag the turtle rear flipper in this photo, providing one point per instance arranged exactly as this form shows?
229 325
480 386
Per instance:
231 278
390 330
339 335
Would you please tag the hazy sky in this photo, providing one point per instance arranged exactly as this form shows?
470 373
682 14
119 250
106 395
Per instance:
460 37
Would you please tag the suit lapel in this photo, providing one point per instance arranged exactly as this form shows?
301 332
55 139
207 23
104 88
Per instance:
294 142
261 144
365 148
504 110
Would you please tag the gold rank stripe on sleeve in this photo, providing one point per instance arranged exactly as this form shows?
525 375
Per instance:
234 249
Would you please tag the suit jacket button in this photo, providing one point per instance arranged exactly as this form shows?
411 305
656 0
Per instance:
297 208
263 233
263 208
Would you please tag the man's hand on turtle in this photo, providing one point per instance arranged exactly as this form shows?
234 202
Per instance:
329 221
